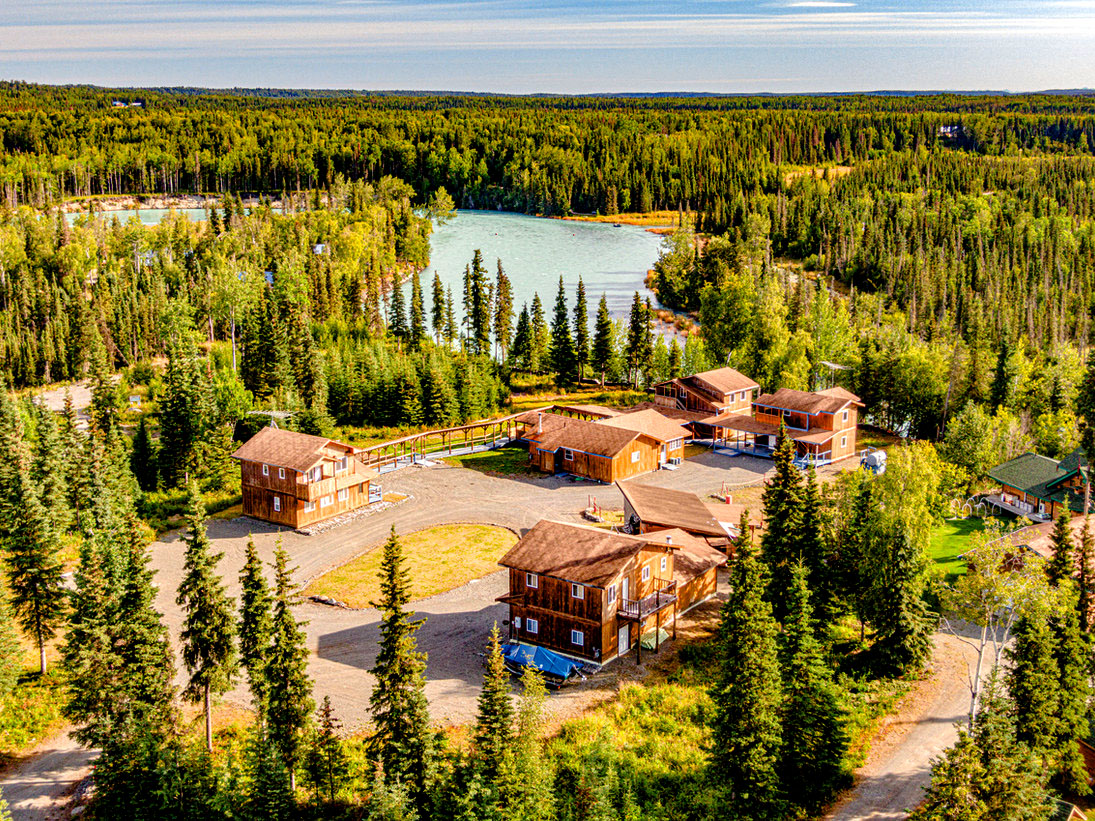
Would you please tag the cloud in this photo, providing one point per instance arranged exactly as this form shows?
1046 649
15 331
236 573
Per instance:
818 4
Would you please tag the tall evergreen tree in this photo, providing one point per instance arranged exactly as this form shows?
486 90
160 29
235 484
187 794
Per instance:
747 739
289 690
674 358
541 335
494 722
1072 653
522 353
451 327
397 314
1033 680
480 306
581 329
417 325
562 346
438 305
1085 577
256 627
503 313
600 357
1062 565
903 624
142 460
814 736
326 762
402 742
636 340
185 410
48 469
526 791
781 544
207 638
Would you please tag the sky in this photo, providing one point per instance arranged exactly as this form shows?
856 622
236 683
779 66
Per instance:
570 47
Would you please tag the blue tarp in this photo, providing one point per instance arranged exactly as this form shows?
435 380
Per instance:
547 662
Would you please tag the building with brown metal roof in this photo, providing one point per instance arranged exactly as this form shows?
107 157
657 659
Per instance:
296 480
723 390
593 593
648 509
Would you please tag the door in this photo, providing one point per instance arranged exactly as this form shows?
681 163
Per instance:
623 640
661 456
625 591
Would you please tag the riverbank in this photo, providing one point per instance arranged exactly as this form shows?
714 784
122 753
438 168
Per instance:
656 222
149 202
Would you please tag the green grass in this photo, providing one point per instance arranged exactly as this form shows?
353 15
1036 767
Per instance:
511 461
30 713
949 541
437 559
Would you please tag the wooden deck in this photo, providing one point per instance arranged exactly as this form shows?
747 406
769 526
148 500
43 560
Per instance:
638 609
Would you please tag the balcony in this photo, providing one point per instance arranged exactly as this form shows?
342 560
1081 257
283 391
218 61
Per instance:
665 595
355 474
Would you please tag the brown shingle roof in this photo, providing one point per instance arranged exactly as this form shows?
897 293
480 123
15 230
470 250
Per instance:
672 508
725 380
805 402
286 448
648 422
578 434
573 553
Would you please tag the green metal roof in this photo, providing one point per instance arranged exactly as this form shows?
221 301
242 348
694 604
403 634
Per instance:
1026 472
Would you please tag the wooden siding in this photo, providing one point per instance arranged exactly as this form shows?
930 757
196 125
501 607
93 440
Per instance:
697 589
603 468
258 497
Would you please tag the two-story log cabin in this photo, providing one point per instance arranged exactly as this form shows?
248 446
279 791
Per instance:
593 593
296 480
723 391
823 424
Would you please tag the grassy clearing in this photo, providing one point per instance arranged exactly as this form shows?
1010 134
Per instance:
31 712
501 462
165 509
656 218
950 540
438 559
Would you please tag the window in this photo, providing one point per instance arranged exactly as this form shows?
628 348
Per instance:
344 494
744 394
577 591
674 444
309 507
265 470
646 573
612 594
786 412
568 455
578 637
844 418
683 393
517 622
665 563
281 473
634 457
314 475
843 441
532 625
532 580
325 501
277 503
343 463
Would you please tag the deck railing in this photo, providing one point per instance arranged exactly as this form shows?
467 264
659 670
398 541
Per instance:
664 595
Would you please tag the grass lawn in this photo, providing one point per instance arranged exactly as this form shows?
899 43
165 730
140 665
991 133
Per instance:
949 541
438 559
503 461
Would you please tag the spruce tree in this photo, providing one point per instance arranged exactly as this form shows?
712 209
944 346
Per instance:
1033 680
289 690
522 352
600 357
185 411
674 358
397 314
562 346
417 324
581 329
270 796
1085 409
746 737
479 307
402 742
541 335
143 460
326 762
451 328
207 638
438 304
10 650
1062 565
814 736
503 313
902 622
494 723
781 543
256 627
525 788
1072 653
636 340
48 469
1085 577
814 545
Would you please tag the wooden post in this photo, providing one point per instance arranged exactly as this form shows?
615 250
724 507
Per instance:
639 640
675 620
657 630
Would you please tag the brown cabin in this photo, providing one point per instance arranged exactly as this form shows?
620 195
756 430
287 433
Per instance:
723 390
605 450
822 424
649 509
592 593
296 480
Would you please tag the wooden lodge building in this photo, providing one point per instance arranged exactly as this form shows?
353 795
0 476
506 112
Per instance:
650 509
606 449
723 390
296 480
822 424
593 594
1038 487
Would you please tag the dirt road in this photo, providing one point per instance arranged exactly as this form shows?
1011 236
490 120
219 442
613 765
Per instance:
37 788
898 767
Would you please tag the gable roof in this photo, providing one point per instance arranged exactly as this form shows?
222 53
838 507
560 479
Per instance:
1026 472
724 380
648 422
827 401
573 553
673 508
1074 461
553 431
286 448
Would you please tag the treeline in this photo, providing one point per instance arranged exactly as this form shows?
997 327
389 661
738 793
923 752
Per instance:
550 156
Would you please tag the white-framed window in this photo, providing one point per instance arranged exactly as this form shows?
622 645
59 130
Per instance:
578 637
568 455
309 507
844 417
344 494
315 474
532 625
683 393
665 563
612 594
843 441
277 503
343 463
634 457
281 473
325 501
743 395
577 591
646 573
265 470
532 580
517 622
674 444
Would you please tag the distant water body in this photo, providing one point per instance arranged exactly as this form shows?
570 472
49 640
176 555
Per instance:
535 252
